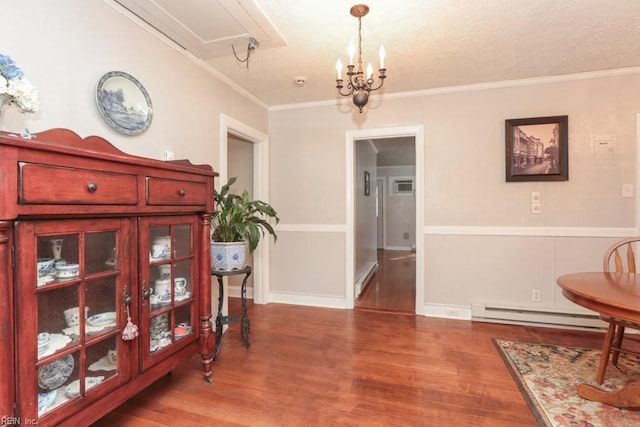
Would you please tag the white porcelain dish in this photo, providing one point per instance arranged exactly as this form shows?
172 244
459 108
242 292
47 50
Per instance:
102 319
45 400
73 389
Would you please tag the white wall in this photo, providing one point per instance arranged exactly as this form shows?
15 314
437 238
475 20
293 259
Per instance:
365 211
64 47
482 243
401 210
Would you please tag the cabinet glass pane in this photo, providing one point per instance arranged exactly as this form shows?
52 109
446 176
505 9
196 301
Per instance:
100 297
183 325
100 252
159 244
160 275
183 242
102 360
159 332
183 282
57 258
58 382
58 320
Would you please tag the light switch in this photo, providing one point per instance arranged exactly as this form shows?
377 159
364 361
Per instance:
167 155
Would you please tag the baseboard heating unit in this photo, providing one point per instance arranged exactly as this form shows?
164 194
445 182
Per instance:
535 317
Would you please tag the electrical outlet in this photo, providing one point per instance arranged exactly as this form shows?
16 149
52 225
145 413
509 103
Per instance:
535 295
536 208
535 197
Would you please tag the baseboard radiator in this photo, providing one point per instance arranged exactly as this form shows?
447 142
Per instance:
364 278
535 317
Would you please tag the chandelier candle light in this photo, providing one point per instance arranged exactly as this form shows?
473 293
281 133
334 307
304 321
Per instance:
357 84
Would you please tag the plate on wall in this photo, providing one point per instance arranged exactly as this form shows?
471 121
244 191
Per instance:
124 103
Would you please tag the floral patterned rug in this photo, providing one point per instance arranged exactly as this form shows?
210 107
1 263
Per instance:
547 375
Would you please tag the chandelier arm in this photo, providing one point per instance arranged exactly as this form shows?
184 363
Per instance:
349 89
377 87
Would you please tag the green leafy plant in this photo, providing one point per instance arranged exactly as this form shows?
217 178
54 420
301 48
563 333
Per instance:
236 218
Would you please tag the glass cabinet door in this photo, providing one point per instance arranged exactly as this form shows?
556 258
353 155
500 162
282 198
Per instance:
71 311
168 296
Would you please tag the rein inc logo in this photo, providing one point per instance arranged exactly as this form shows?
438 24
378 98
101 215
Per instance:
6 420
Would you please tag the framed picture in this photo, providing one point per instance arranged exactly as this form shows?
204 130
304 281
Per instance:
537 149
367 183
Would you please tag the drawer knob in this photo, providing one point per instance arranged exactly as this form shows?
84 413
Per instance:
182 192
92 187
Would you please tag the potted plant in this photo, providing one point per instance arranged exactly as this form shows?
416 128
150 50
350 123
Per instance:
238 223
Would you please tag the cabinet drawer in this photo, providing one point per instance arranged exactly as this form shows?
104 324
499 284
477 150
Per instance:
161 191
58 185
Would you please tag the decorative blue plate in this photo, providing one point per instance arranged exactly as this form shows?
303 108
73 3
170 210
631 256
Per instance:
54 374
124 103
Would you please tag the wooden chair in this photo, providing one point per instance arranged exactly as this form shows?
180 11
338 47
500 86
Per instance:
612 347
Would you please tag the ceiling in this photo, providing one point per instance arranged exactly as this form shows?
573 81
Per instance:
429 43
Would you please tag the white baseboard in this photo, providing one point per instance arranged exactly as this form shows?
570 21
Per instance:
459 312
308 300
235 291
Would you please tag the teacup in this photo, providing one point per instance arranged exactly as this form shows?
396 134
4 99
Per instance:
72 316
161 247
43 338
112 357
159 252
180 285
45 266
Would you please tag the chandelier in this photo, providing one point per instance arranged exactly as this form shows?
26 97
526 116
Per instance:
358 84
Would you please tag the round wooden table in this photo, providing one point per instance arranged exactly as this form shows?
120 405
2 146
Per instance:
610 294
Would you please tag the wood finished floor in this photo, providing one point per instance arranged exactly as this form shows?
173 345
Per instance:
325 367
392 288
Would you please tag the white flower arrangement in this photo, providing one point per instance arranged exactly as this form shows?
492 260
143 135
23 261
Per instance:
14 86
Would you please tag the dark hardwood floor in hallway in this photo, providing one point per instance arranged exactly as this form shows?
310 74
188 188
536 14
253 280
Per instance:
329 367
392 288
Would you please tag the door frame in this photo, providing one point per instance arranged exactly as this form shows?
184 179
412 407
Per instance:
417 132
260 143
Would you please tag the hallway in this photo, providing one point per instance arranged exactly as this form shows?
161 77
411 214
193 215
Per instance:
392 288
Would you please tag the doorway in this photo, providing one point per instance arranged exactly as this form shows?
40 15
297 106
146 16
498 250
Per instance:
234 130
353 192
392 286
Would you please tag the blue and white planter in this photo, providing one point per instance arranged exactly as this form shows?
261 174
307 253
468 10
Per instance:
228 255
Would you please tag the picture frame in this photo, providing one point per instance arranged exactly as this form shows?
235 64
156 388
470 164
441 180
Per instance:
537 149
367 183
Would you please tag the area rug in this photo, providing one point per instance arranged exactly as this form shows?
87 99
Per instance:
548 375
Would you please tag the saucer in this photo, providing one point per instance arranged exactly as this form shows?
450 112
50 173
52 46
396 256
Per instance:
182 331
73 389
183 297
45 400
102 319
46 279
